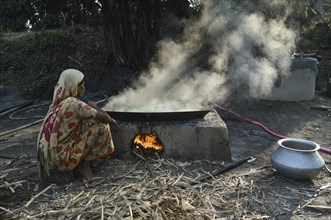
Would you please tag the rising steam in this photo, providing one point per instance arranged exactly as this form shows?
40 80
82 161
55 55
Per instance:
230 48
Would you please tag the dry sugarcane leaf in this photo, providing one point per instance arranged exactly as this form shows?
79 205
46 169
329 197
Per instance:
320 207
325 186
185 205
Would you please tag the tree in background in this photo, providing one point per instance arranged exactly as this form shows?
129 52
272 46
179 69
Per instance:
131 27
20 15
15 14
317 26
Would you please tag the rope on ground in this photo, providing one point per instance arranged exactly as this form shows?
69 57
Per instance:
15 108
20 128
11 116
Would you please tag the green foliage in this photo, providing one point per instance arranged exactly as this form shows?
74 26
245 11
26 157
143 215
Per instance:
33 61
46 14
318 26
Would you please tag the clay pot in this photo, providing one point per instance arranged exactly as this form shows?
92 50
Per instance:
297 159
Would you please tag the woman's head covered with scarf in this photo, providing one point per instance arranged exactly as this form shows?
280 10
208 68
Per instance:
67 85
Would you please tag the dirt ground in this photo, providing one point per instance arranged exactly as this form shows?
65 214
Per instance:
262 193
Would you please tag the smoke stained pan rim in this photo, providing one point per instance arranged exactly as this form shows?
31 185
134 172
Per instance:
157 116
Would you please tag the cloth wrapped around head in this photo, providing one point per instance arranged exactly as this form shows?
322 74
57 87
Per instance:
67 85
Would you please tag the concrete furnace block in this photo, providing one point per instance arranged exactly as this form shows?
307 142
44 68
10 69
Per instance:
183 144
204 138
213 133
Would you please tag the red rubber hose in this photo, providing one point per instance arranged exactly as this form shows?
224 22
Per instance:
323 149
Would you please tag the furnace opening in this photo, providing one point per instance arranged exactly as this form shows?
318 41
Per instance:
148 144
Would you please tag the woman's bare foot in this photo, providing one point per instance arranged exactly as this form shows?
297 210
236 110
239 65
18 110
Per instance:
96 162
86 171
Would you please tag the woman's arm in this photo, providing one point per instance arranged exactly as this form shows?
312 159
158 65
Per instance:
103 116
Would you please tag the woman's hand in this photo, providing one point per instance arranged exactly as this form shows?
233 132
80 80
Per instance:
92 104
103 116
113 124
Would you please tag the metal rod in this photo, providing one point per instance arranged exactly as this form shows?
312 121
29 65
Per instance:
103 100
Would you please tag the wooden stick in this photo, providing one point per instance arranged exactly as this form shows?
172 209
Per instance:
8 186
39 194
130 210
320 107
90 201
327 169
6 157
149 168
130 171
138 155
14 183
320 207
6 210
64 211
102 211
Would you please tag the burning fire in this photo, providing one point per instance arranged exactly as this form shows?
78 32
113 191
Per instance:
148 143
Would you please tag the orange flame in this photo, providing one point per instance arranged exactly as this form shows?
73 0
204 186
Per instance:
148 142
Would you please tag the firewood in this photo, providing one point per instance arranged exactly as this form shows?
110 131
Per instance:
39 194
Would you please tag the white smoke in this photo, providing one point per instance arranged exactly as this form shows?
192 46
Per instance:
244 50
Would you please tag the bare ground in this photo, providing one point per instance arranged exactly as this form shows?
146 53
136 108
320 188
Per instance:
167 189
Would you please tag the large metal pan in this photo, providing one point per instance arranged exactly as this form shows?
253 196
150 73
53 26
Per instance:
157 116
